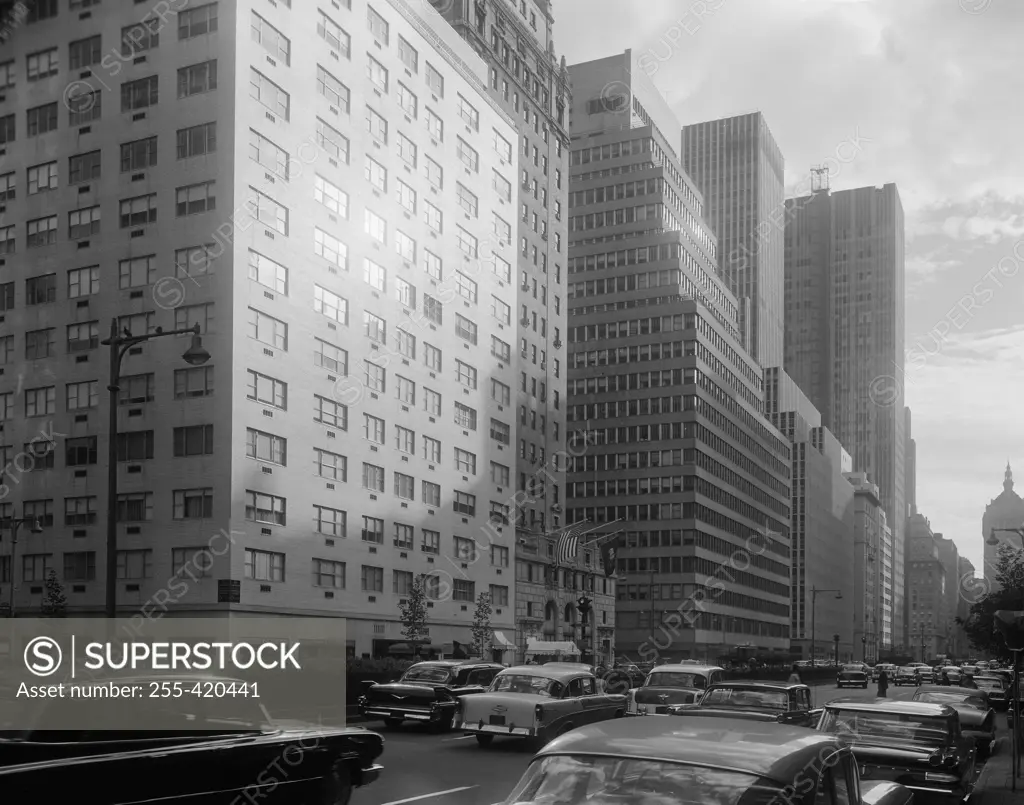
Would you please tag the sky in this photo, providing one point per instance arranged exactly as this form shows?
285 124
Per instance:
932 90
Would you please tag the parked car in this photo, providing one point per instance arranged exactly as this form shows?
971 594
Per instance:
754 701
995 687
671 684
905 676
224 750
651 761
852 675
536 702
428 692
877 670
920 744
977 718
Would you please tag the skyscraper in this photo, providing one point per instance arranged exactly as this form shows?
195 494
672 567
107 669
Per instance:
527 80
328 194
739 170
872 605
1004 511
845 311
667 409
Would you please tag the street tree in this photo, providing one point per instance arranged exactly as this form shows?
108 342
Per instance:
55 602
979 625
413 615
482 631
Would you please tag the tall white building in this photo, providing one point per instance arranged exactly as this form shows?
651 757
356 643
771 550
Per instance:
327 191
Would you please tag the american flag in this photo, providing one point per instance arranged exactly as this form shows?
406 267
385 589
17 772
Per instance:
569 543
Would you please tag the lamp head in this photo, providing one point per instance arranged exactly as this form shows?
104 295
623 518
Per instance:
37 527
992 540
196 354
839 596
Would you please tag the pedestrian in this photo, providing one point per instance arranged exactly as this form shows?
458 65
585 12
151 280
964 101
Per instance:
967 681
945 677
883 683
794 676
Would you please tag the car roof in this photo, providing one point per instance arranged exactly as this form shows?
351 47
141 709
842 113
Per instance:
946 689
546 672
892 706
680 668
775 751
757 683
455 663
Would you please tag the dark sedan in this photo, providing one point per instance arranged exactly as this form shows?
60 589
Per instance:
222 751
853 675
918 745
977 718
995 687
654 761
667 685
428 692
755 701
907 675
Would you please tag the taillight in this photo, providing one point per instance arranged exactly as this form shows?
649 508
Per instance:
538 712
935 758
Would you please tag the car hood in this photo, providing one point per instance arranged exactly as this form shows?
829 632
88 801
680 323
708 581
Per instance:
662 696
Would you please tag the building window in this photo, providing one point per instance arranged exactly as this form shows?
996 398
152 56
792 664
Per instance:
435 81
268 94
264 565
197 140
268 273
331 196
197 21
330 465
82 396
272 40
138 155
140 94
80 451
80 566
193 504
334 35
79 511
329 412
137 272
41 290
135 507
41 232
330 522
193 440
195 199
328 573
408 56
430 541
267 211
186 560
464 503
373 579
197 79
336 93
499 595
196 381
332 141
330 305
134 564
463 590
264 508
140 37
373 476
42 178
266 447
373 530
268 330
330 357
405 486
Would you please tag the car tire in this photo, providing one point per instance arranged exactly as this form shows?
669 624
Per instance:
444 725
337 786
484 740
865 686
393 723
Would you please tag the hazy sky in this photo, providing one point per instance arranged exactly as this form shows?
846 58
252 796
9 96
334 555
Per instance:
933 90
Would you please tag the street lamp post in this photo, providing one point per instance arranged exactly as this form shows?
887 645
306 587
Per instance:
814 609
119 344
15 523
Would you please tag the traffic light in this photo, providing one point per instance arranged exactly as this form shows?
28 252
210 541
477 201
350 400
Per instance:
584 605
863 640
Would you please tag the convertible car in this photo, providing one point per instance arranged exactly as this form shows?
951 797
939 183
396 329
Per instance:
428 692
755 701
667 685
657 761
977 718
223 750
853 675
537 702
918 745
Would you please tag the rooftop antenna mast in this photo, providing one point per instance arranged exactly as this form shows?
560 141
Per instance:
819 178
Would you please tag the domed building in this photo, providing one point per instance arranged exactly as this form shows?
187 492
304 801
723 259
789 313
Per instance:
1005 511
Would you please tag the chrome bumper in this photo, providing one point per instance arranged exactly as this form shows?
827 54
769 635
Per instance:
368 775
406 715
476 728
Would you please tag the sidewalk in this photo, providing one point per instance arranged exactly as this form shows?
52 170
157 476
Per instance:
995 785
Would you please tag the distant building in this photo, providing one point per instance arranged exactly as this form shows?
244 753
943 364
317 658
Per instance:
872 570
1004 511
963 605
667 409
927 583
739 170
822 524
844 345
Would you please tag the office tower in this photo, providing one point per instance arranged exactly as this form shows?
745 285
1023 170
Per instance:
969 589
947 614
739 171
926 590
526 79
873 567
845 308
327 193
1004 511
822 530
667 409
910 498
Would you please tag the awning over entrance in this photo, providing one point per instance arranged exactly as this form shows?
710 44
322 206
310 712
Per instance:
501 641
551 647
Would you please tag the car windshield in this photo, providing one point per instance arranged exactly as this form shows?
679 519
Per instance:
943 697
526 683
908 670
873 727
988 684
574 780
853 667
437 674
676 679
747 697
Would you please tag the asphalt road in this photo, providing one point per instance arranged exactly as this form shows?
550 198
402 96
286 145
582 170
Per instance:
421 768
